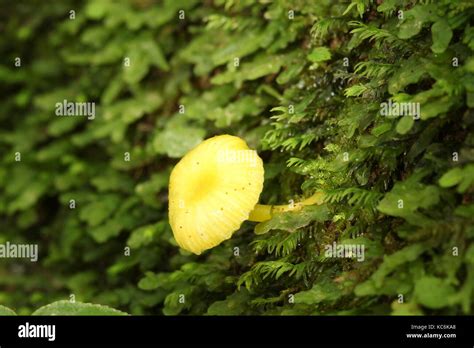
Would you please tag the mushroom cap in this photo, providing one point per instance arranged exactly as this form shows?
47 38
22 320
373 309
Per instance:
212 190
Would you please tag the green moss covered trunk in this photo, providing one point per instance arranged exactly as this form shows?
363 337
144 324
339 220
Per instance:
369 102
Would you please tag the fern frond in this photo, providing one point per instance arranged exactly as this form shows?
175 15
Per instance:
281 244
356 90
273 269
379 36
295 162
376 70
354 196
323 27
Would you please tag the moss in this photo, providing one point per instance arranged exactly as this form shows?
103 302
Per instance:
304 83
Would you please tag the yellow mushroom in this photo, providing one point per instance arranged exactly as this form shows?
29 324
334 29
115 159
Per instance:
214 188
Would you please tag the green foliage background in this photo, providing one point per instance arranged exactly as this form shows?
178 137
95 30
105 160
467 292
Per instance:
306 94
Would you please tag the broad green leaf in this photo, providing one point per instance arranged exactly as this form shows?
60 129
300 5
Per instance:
5 311
77 308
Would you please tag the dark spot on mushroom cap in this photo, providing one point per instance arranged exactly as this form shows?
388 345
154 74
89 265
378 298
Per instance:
222 208
180 226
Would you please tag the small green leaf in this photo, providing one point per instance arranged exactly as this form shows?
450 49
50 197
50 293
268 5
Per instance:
144 235
325 291
401 201
97 212
137 66
390 264
442 34
409 28
469 257
433 292
405 124
451 177
77 308
411 71
176 142
415 18
387 5
466 211
151 281
234 304
261 66
381 129
319 54
291 221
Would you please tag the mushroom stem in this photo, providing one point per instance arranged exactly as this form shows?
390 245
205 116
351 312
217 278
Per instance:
263 212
